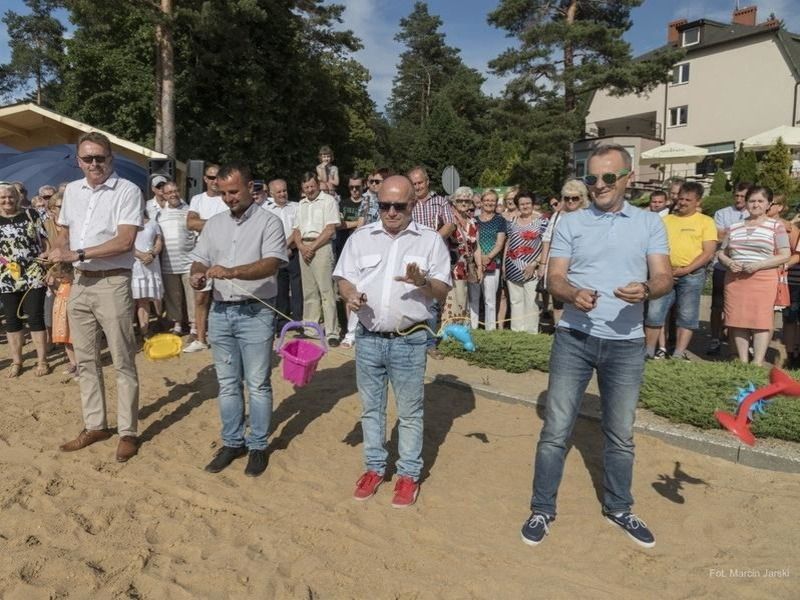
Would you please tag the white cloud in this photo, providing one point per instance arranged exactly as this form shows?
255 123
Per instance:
380 54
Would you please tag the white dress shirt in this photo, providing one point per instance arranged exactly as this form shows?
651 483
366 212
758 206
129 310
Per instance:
314 215
372 258
286 213
93 214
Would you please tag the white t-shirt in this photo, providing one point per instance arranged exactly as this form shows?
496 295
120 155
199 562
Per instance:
207 206
93 214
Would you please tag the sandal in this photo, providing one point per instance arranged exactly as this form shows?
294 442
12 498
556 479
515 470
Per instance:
14 370
42 369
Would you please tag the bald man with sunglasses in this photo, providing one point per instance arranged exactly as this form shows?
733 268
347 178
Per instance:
605 261
390 272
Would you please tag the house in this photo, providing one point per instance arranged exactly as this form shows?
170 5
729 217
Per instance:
736 79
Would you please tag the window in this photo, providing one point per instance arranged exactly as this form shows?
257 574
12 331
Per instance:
680 74
719 156
678 116
690 37
581 156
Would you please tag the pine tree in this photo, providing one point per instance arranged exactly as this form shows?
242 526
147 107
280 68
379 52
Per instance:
719 185
568 49
775 170
36 41
745 166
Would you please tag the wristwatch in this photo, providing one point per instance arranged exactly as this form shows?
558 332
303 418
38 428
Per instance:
646 289
81 254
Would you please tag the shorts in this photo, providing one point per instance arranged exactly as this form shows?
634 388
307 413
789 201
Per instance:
685 295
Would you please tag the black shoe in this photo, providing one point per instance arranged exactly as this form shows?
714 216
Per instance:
333 342
256 463
225 456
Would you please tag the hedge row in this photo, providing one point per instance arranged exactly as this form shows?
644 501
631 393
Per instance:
683 392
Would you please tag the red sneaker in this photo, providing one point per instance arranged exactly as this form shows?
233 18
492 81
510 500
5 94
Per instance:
405 492
367 485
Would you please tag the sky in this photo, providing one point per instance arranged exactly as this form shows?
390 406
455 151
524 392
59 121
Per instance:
465 26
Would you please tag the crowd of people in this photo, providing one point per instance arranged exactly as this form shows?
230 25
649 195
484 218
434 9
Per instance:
232 266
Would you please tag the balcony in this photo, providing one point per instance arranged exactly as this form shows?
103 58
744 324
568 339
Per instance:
642 125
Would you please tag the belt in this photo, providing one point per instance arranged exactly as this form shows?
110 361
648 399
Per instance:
106 273
239 302
390 335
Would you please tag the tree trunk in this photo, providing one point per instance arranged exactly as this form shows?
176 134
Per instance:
167 56
159 76
569 61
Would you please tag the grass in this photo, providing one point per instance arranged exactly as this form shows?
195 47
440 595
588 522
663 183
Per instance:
683 392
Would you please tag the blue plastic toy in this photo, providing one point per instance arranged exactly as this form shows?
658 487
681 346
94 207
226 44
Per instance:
461 334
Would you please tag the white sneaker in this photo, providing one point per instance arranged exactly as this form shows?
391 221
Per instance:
177 329
349 341
196 346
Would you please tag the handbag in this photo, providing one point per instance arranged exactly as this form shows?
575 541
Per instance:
782 298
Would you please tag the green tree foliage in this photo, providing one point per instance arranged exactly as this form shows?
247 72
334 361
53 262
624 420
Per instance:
775 170
264 81
745 166
36 41
719 185
566 50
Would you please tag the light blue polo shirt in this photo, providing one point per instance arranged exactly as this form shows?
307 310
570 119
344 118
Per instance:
608 251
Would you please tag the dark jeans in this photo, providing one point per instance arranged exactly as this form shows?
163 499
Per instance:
620 367
289 299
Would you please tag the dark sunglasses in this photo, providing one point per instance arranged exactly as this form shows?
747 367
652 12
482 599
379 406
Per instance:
376 180
211 177
355 187
387 206
571 198
608 178
98 158
46 197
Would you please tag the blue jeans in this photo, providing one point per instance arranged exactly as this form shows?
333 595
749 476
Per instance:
685 294
401 361
620 367
241 341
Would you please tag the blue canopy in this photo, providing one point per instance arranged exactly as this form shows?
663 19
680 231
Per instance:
55 164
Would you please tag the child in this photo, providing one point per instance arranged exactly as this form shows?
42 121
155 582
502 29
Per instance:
327 172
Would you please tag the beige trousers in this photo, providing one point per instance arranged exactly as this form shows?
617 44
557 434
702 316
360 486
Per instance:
105 304
177 292
317 279
524 310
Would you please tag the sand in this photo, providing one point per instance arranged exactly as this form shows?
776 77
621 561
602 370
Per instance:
81 525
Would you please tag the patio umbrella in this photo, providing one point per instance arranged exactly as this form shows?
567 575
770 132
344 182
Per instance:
764 141
55 164
673 154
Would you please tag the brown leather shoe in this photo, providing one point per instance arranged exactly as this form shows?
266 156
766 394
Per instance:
85 438
127 448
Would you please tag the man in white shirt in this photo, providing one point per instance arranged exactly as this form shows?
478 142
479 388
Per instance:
390 273
201 208
289 300
317 220
175 261
100 216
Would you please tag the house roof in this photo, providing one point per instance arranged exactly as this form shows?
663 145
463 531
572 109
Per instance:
716 33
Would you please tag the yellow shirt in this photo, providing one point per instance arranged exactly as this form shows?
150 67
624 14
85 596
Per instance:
686 236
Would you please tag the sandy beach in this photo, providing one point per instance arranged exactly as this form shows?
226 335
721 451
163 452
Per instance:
82 525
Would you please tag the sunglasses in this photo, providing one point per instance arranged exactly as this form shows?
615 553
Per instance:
46 197
387 206
354 187
376 181
463 200
608 178
98 158
211 177
571 198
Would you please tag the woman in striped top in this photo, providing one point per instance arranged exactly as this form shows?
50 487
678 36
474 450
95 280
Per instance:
753 251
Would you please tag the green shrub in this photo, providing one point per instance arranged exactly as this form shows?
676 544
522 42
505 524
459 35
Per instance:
684 392
712 204
719 185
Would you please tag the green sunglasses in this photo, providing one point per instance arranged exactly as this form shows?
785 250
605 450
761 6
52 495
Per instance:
608 178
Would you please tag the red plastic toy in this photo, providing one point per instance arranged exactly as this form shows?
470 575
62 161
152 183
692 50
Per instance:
738 424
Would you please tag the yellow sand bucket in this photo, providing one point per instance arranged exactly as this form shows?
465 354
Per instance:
163 346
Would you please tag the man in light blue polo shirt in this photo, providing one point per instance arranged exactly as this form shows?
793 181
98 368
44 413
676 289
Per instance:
605 261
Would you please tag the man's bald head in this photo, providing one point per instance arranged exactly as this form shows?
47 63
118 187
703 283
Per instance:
398 187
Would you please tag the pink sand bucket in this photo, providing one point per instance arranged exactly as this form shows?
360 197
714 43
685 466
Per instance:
300 357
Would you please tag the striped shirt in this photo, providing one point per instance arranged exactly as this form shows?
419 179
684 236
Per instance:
753 242
178 239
